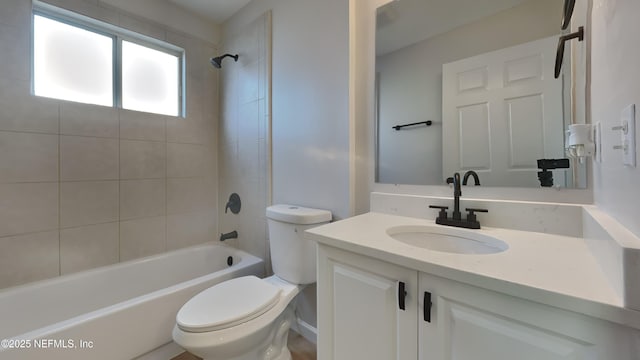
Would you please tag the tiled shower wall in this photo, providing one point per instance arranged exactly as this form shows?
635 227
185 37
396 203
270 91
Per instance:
83 186
244 135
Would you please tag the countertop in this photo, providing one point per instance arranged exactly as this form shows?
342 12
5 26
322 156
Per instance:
555 270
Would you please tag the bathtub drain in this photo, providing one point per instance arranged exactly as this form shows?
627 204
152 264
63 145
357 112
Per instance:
230 260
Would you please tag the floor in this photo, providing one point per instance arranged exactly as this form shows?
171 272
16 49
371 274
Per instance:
301 349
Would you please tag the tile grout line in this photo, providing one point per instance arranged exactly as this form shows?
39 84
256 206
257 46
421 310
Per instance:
59 192
119 187
166 187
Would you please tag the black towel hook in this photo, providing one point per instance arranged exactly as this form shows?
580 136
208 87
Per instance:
569 5
560 52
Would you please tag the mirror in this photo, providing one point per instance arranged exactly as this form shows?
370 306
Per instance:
473 80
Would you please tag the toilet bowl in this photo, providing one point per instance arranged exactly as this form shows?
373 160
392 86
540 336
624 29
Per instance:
250 331
248 318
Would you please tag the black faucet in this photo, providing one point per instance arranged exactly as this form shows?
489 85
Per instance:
457 191
471 222
230 235
472 173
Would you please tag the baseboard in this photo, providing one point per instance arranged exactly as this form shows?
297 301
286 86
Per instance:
307 331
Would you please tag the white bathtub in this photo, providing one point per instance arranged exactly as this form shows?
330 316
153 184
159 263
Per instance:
116 312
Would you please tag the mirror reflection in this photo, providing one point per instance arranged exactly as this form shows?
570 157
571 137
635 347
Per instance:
473 82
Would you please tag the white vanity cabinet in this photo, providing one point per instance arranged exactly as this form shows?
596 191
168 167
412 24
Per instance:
359 308
359 317
470 323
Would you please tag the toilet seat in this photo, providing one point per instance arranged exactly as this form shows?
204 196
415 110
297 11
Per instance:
228 304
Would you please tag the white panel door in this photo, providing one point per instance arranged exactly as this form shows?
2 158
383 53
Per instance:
359 317
502 111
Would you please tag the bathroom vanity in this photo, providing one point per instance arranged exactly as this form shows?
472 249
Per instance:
386 291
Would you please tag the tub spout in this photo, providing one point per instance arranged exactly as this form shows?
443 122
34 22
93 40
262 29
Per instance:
230 235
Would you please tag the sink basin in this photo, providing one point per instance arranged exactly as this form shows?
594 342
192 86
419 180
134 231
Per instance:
447 240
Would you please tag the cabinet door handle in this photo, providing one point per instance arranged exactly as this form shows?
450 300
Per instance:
426 309
402 294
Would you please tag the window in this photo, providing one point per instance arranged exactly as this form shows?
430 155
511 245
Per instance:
71 63
83 60
149 79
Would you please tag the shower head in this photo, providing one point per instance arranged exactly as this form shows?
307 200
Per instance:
217 61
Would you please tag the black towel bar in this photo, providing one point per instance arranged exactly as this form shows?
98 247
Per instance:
398 127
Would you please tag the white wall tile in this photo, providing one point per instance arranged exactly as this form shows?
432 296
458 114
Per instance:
27 258
24 112
243 132
136 125
190 229
142 198
88 203
142 237
264 119
84 152
88 158
15 12
185 160
142 159
249 76
185 195
88 120
88 247
28 157
248 140
14 47
186 130
28 208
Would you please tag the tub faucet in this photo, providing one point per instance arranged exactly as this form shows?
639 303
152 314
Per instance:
472 173
230 235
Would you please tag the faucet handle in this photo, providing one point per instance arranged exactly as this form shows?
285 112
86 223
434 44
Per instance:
443 211
471 216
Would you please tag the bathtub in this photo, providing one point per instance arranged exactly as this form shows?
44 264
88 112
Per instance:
115 312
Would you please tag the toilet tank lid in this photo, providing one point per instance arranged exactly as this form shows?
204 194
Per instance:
297 214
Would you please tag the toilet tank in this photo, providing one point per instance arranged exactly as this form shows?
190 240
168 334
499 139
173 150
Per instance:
293 257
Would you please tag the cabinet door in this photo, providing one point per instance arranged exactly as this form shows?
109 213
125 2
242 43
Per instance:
359 308
469 323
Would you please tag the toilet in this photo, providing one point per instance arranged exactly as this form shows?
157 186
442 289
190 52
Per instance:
248 318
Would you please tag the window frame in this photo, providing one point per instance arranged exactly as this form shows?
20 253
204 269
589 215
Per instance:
118 35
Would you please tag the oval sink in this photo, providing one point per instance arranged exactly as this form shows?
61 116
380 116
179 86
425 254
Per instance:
447 240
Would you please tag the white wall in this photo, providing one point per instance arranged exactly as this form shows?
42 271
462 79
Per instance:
83 186
615 84
310 114
310 119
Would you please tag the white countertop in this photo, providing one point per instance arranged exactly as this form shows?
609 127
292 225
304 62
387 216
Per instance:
551 269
